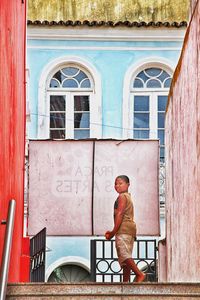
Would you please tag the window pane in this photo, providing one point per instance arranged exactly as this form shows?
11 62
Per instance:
85 83
59 76
167 83
141 120
163 76
138 83
161 136
162 102
141 134
57 134
141 103
162 153
80 76
81 103
81 120
57 120
57 103
81 134
161 120
153 72
70 83
54 83
153 83
143 76
70 71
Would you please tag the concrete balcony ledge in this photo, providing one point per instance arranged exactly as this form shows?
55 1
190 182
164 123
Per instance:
111 291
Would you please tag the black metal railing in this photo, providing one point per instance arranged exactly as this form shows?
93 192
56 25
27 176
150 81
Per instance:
38 256
105 266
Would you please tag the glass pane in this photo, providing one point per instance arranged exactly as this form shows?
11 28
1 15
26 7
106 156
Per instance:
143 76
138 83
59 76
161 136
162 102
81 103
57 134
54 83
153 83
57 103
163 76
141 120
85 83
81 134
141 103
141 134
167 83
162 153
80 76
161 120
153 72
81 120
70 83
70 71
57 120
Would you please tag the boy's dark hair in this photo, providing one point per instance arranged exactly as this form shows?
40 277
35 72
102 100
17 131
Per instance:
124 177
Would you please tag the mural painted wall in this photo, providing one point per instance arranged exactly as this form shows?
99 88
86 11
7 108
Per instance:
182 162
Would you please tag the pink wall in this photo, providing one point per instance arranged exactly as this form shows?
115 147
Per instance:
182 162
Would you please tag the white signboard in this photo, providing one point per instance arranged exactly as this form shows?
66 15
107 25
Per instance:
71 185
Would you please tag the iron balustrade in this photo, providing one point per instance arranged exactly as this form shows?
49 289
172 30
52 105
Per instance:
38 256
105 266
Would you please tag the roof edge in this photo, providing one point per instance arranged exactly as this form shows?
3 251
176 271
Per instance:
108 23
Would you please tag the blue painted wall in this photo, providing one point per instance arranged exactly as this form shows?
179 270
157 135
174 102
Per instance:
111 65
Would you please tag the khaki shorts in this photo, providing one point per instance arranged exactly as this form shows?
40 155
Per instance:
124 247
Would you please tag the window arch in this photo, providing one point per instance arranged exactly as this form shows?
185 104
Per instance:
69 101
148 92
70 93
68 261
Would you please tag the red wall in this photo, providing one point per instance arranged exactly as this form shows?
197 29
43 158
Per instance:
183 162
12 121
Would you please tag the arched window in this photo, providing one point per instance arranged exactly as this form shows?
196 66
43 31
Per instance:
70 91
69 100
149 93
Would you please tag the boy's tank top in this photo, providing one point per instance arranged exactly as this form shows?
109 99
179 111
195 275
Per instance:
128 225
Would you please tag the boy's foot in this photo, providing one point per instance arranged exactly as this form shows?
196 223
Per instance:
140 278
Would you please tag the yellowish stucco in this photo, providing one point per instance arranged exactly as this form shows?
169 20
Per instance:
109 10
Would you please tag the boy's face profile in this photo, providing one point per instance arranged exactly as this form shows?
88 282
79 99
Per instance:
121 186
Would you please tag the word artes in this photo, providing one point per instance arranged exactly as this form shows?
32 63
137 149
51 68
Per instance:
82 186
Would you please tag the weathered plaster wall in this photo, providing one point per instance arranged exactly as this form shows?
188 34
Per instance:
109 10
183 162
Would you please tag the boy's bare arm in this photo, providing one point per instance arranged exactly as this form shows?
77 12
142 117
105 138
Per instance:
119 212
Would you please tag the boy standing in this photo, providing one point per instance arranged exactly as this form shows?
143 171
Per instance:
124 229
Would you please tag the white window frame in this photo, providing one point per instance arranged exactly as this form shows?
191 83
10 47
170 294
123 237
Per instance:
69 111
153 108
94 92
129 92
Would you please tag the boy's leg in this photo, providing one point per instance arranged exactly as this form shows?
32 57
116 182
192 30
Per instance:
126 273
140 276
